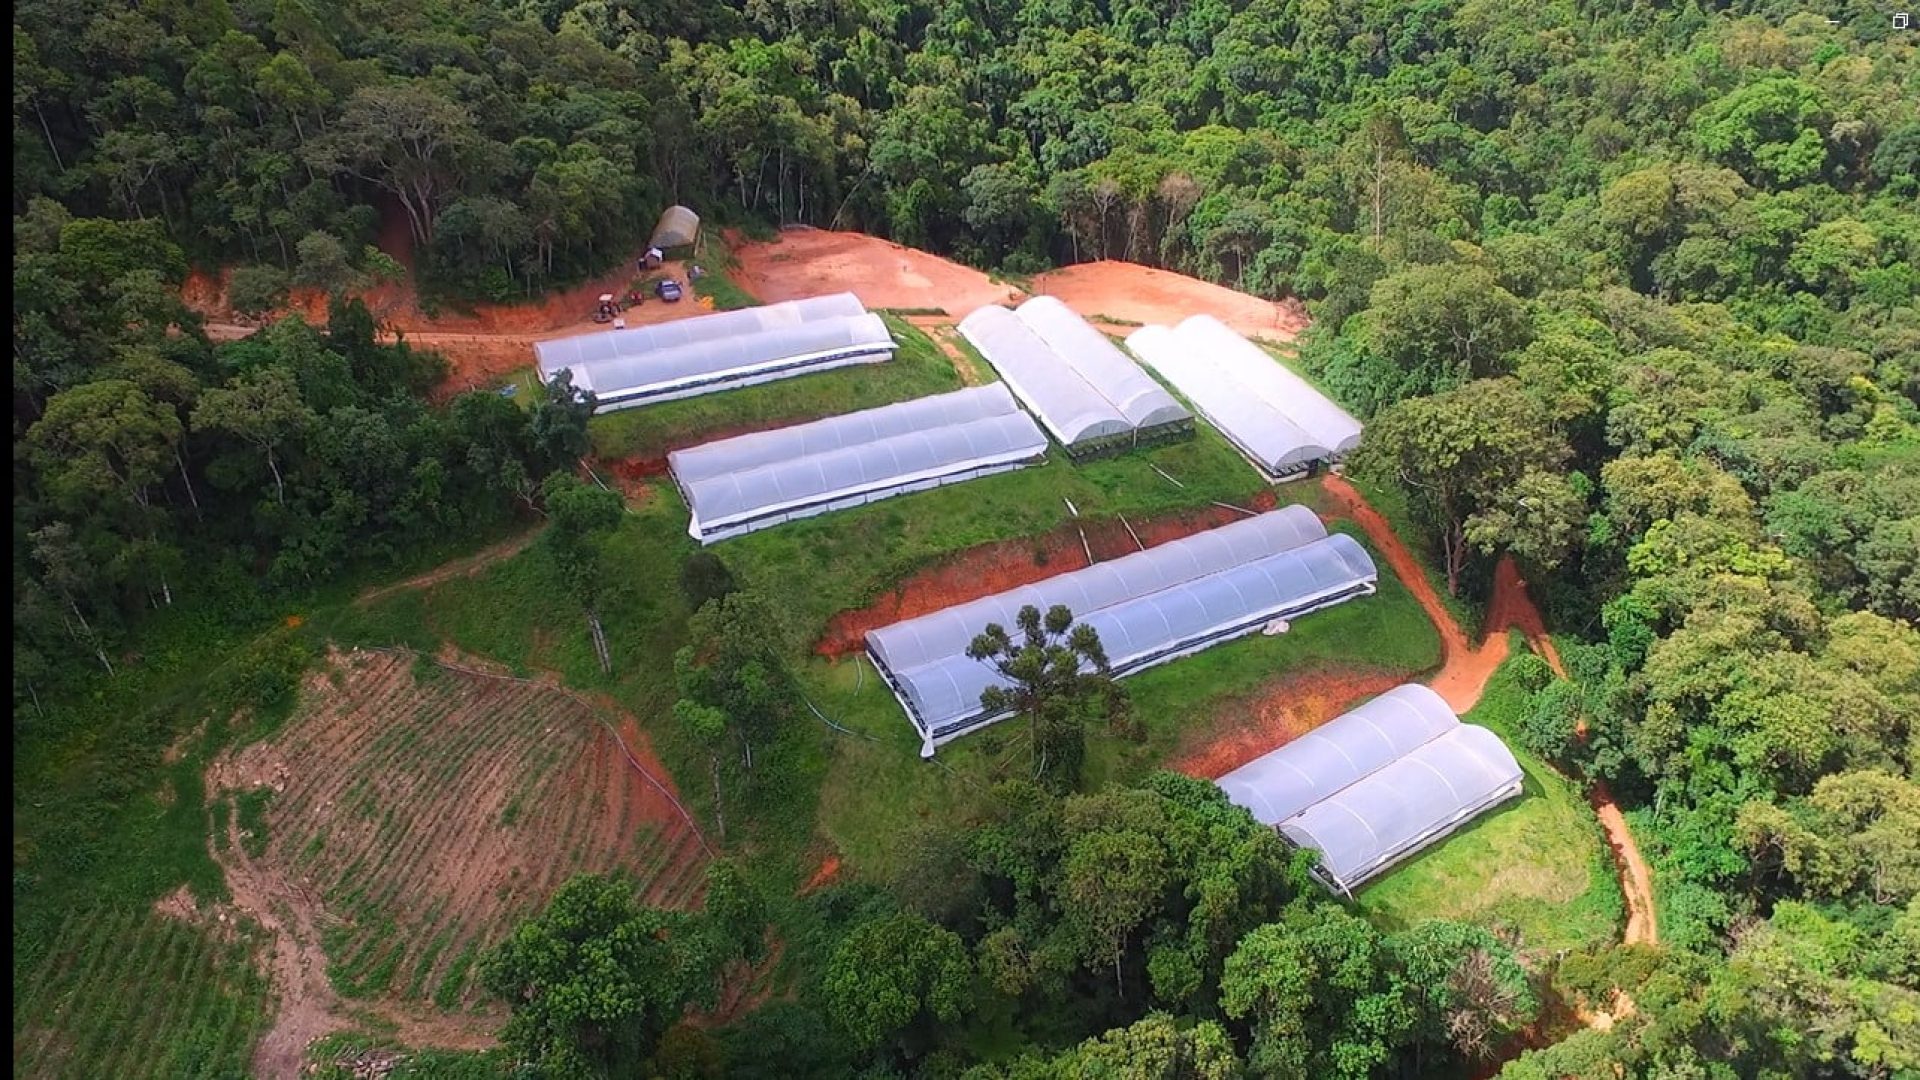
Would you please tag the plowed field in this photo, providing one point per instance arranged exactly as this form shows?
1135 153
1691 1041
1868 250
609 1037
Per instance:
418 813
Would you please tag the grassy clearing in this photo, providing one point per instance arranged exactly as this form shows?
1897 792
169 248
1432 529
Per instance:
820 566
879 782
1538 865
917 369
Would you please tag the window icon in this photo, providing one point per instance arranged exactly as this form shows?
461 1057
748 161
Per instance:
1902 20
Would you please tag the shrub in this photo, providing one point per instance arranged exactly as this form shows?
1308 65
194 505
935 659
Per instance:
255 290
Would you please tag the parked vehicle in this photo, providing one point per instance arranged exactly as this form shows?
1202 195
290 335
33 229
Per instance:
668 289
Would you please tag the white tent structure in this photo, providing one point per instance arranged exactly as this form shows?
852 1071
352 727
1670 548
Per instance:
1274 417
751 482
1376 785
695 356
1149 607
1091 396
1095 358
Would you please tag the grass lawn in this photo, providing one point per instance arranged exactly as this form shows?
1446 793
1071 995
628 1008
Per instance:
919 368
1538 865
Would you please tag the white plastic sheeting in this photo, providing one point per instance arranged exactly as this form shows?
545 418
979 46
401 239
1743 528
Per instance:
1276 418
1096 359
1069 408
751 482
613 344
1148 607
1332 756
1378 784
1264 435
696 356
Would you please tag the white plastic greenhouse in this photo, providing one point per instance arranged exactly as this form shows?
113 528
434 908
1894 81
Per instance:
1088 393
695 356
1275 417
1263 434
1376 785
1071 410
1095 358
751 482
1148 607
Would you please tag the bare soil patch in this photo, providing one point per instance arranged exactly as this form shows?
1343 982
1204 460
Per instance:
1143 294
1005 564
482 344
804 262
1279 713
829 869
412 823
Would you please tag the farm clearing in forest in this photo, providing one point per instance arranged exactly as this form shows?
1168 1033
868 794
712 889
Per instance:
410 815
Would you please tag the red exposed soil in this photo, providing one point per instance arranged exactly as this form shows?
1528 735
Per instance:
481 345
450 807
829 869
1142 294
1281 712
1006 564
804 261
1464 673
940 329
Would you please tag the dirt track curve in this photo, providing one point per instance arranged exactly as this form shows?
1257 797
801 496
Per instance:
1464 672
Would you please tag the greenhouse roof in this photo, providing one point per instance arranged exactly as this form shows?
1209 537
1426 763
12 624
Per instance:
1377 784
1406 805
1251 369
1096 359
1071 409
588 349
1337 753
753 481
705 365
1148 607
1264 434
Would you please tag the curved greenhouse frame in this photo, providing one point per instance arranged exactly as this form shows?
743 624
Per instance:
1070 409
1149 607
1249 366
1377 784
1112 374
751 482
695 356
1264 435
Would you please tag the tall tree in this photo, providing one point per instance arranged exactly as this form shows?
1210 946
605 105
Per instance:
1057 676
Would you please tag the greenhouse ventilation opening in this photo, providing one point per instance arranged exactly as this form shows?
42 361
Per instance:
689 357
1275 418
1378 784
1091 396
750 482
1148 607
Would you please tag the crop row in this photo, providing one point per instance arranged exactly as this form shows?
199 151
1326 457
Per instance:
130 993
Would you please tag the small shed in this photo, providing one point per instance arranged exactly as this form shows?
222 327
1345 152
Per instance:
678 227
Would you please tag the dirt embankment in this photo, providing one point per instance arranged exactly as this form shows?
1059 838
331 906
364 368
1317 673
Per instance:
804 261
1144 294
1007 564
1279 713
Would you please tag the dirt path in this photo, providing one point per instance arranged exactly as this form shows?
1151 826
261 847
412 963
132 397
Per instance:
466 567
307 1007
940 330
1464 672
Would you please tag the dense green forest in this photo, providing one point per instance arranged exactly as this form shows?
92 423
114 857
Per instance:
1625 290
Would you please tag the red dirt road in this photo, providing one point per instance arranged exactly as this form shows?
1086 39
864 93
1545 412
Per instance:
1141 294
1464 673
